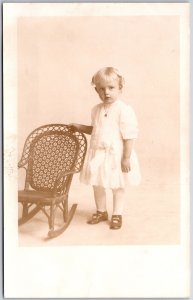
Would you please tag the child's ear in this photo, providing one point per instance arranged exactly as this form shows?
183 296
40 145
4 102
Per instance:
96 89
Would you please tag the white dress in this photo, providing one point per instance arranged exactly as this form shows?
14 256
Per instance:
102 165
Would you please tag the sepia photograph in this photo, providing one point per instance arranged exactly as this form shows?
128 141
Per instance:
96 149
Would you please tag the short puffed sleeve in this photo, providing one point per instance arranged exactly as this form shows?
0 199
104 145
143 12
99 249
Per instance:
128 123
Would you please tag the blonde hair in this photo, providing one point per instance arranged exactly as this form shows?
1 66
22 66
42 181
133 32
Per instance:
106 74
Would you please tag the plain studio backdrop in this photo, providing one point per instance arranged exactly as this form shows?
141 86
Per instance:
57 57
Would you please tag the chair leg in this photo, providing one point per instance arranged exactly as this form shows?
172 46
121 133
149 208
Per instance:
52 217
26 215
65 212
25 210
57 232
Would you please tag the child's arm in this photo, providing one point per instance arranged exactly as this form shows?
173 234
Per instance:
82 128
125 162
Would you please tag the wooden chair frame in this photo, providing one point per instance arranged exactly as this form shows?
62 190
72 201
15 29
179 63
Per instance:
52 154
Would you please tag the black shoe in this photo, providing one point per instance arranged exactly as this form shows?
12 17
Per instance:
98 217
116 222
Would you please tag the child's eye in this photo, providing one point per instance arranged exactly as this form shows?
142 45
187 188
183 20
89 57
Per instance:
111 87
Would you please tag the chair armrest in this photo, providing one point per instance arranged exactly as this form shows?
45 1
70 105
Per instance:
21 167
61 175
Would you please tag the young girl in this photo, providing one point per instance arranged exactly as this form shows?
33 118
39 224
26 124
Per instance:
111 161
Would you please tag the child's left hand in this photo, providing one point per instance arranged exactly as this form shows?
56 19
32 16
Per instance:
125 165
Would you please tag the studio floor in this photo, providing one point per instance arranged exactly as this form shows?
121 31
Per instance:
150 217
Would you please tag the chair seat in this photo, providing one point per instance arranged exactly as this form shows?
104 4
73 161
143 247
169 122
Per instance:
38 197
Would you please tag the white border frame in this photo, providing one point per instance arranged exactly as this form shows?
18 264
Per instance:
145 271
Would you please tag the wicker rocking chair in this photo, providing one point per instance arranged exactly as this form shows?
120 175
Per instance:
51 155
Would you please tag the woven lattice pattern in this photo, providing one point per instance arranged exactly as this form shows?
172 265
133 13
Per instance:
49 150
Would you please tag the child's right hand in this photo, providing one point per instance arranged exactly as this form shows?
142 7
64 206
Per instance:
81 128
74 126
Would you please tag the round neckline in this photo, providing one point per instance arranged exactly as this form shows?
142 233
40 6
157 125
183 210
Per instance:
108 105
105 110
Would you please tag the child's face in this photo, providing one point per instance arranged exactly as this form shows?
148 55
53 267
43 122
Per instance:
108 91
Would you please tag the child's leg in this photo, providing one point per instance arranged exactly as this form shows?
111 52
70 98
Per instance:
100 198
118 201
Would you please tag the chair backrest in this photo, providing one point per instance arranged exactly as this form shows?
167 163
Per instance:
50 149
